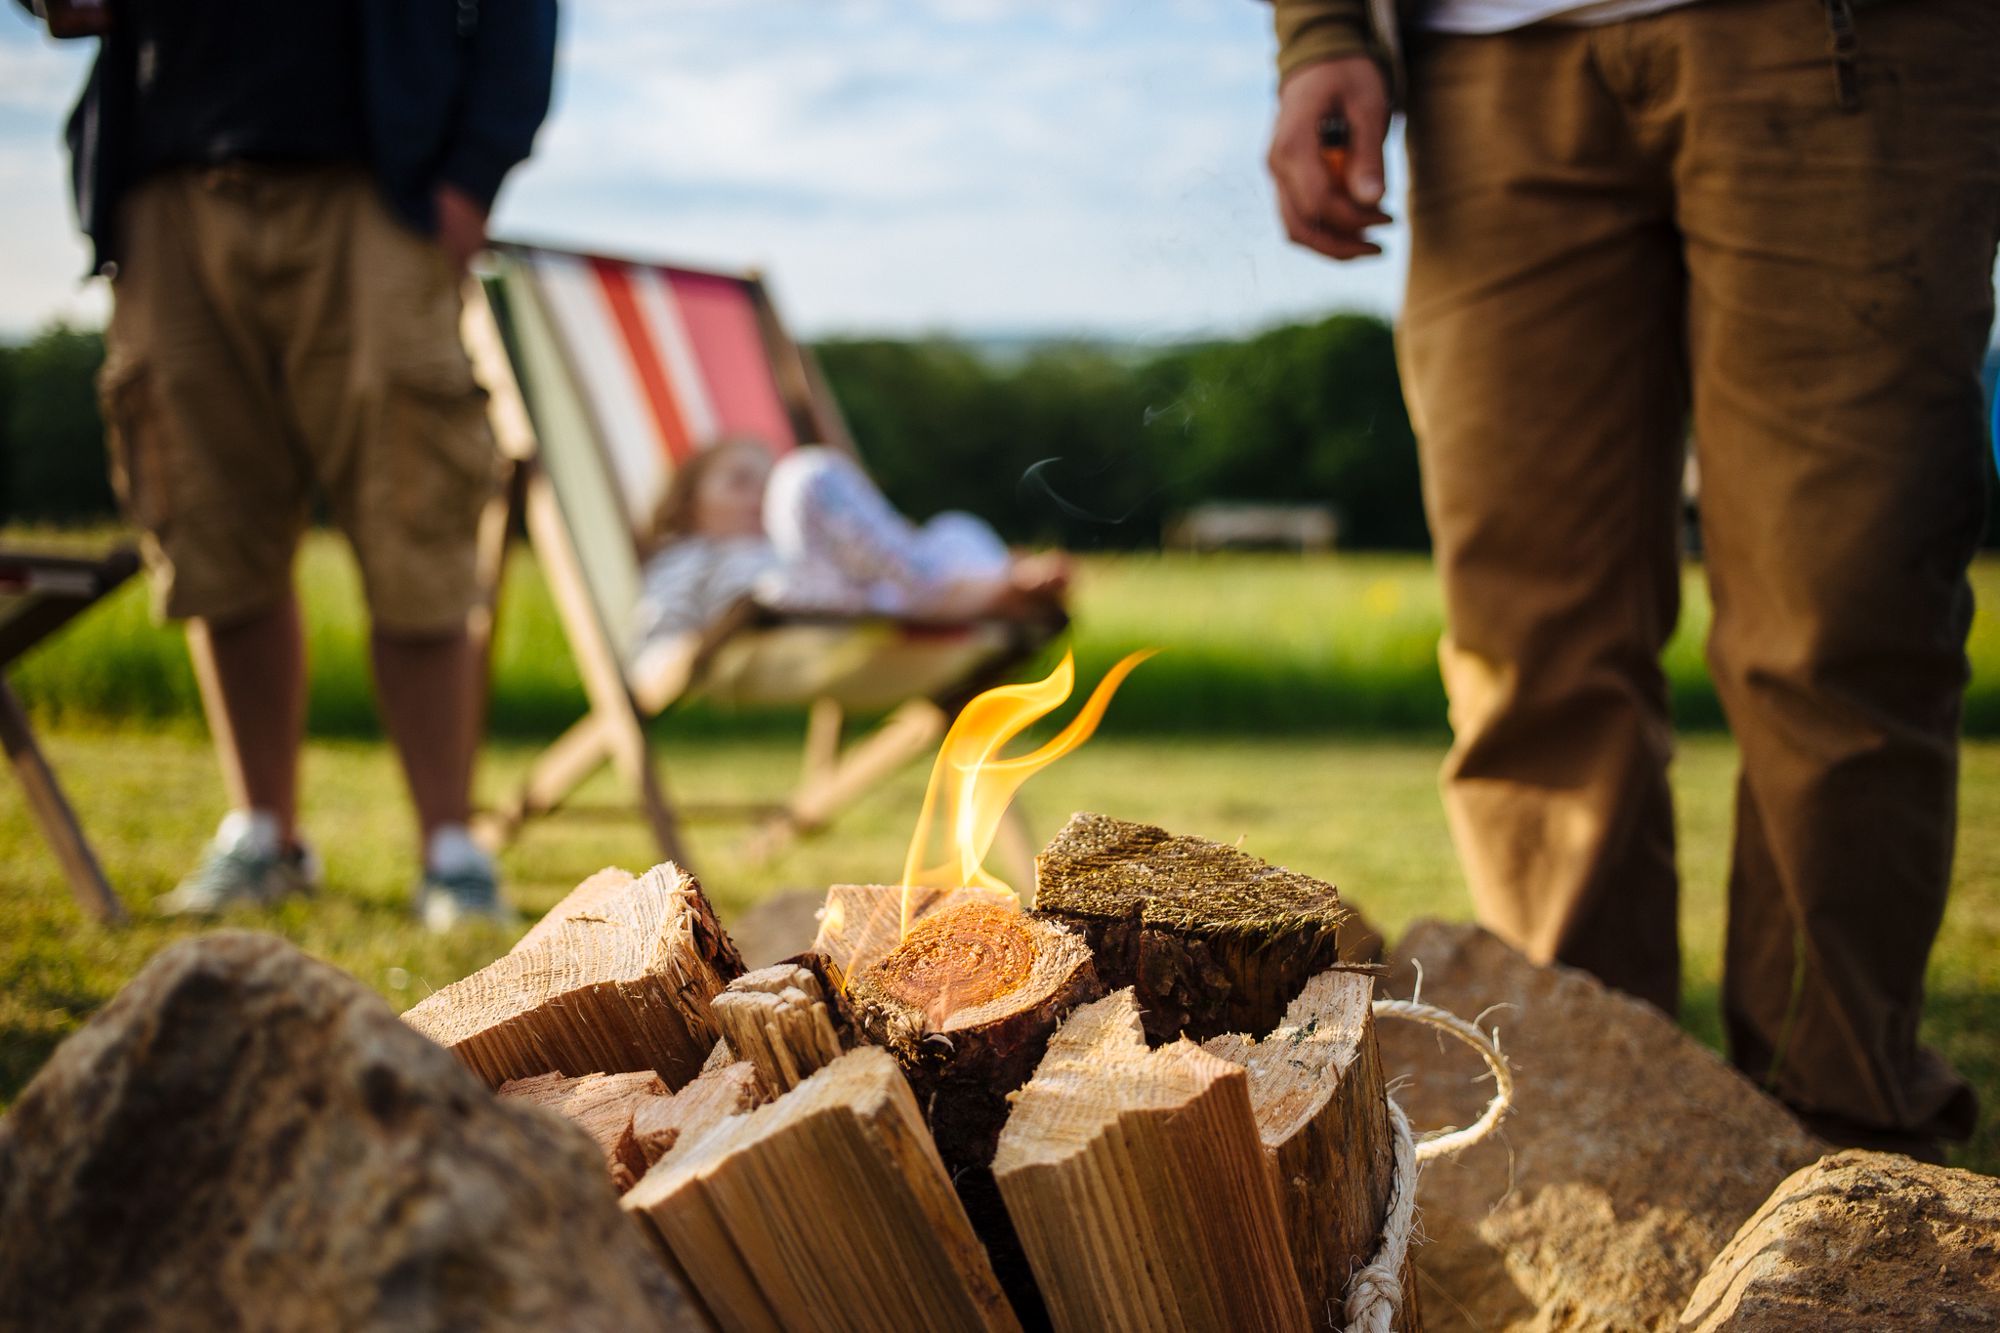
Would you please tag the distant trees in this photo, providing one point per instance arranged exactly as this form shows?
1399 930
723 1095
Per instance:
1093 446
51 440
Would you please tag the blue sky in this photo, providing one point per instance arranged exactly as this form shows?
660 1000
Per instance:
1065 166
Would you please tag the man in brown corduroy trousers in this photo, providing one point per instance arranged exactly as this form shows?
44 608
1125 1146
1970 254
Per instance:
1779 216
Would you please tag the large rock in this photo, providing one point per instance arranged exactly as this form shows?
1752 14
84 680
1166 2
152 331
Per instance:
1860 1241
1632 1156
247 1138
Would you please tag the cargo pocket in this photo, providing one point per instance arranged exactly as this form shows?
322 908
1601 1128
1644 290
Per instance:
442 462
136 439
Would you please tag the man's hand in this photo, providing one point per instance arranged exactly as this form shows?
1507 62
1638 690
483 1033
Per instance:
461 226
1320 212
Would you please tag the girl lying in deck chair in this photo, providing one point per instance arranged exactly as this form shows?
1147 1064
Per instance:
811 534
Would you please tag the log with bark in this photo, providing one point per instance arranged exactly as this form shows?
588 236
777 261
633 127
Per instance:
1322 1113
1212 939
1137 1184
826 1209
620 980
967 1005
788 1020
862 924
604 1106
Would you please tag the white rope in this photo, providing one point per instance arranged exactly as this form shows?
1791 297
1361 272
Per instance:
1446 1142
1375 1292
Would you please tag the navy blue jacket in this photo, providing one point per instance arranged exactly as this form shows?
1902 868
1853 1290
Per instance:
451 91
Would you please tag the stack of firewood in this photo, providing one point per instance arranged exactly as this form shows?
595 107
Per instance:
1153 1101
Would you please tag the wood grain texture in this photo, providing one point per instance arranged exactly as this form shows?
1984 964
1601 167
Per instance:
619 982
1139 1187
1323 1118
604 1106
1213 939
827 1209
967 1005
660 1123
784 1020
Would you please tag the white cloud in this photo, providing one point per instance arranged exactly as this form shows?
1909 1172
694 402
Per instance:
894 164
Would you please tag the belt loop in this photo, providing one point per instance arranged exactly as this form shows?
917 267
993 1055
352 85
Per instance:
1842 45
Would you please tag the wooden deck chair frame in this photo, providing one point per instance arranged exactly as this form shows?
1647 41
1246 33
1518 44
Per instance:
834 774
48 592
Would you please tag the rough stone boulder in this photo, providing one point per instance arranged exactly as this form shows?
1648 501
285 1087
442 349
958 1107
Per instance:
1860 1241
1632 1156
247 1138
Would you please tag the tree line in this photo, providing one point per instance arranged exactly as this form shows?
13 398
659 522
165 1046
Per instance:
1090 445
1086 444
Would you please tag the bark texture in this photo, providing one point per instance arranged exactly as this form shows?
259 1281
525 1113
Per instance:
1323 1117
1211 939
967 1005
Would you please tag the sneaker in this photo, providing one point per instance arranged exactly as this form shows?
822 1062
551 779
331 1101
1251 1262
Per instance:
460 884
244 867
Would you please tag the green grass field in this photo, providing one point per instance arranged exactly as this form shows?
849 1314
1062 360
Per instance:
1296 707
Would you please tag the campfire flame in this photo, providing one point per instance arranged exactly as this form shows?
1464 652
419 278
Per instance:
974 785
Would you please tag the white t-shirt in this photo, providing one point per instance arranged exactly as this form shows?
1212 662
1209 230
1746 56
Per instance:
1480 16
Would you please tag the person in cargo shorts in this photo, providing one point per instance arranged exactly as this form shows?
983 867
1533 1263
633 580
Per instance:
1775 220
285 198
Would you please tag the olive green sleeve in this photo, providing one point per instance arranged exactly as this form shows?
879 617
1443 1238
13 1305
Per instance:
1311 31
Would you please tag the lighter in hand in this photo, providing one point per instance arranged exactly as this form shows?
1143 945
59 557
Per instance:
1334 137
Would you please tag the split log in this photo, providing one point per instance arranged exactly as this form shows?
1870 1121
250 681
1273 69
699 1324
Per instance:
1323 1116
659 1123
1212 939
604 1106
788 1020
862 924
620 982
588 899
827 1209
719 1057
1139 1188
967 1005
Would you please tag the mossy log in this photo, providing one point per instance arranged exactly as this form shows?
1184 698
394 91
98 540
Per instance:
967 1005
1323 1117
1210 938
826 1209
619 979
1139 1188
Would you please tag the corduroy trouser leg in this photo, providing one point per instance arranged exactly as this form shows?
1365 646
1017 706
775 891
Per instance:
1616 227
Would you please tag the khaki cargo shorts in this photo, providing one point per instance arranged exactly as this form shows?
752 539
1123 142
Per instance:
277 335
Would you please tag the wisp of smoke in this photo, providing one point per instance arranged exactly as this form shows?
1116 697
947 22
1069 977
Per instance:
1035 481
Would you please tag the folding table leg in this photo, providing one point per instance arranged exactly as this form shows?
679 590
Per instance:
52 811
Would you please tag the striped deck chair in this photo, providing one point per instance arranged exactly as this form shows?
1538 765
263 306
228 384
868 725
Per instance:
604 375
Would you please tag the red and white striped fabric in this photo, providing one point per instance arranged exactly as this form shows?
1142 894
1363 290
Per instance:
668 360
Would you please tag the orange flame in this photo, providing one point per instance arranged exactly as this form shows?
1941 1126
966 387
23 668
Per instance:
975 785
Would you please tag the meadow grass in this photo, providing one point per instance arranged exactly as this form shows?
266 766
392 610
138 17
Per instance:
1296 707
1254 644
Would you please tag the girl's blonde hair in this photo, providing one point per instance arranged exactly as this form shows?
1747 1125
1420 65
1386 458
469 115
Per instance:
673 517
